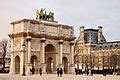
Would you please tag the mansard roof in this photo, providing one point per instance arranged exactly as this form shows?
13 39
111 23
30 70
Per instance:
91 30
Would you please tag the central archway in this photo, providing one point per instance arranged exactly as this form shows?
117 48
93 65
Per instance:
49 65
17 64
50 58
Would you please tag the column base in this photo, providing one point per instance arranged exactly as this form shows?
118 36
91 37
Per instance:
60 66
90 72
71 69
43 67
28 67
11 72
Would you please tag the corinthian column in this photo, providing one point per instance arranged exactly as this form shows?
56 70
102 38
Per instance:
60 52
29 48
43 65
71 66
72 52
28 55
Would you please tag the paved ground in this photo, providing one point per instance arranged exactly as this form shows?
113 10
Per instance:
54 77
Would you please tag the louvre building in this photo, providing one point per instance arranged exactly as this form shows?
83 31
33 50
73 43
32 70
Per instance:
92 51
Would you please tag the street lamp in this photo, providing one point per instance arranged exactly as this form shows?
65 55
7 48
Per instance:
23 45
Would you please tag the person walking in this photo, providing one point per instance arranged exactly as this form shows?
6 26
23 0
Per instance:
40 71
33 70
61 72
58 72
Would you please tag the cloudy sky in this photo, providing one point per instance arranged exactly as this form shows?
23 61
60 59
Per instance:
88 13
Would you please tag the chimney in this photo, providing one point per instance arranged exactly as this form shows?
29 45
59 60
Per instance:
100 39
82 34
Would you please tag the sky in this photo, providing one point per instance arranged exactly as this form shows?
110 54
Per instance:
88 13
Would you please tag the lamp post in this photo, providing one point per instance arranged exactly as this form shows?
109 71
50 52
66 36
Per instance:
23 45
90 63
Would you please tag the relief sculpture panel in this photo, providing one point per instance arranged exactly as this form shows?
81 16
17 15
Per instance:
17 44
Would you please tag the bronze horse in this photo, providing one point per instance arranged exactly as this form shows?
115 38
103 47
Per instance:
49 17
43 16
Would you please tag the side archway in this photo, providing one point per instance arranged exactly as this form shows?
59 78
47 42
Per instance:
34 62
65 64
17 64
49 65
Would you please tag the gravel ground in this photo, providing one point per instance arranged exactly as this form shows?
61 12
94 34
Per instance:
54 77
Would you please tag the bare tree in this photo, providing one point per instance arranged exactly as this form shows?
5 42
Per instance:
113 61
3 45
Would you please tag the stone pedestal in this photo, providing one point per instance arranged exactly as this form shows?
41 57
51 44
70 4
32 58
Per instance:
60 66
29 66
12 67
71 68
43 67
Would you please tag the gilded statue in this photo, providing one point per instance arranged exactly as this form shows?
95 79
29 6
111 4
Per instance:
42 14
37 15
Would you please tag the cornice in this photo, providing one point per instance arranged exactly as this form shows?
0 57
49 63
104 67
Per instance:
46 36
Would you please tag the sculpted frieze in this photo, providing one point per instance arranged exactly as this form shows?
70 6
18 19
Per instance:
18 28
17 44
66 49
35 47
51 30
42 28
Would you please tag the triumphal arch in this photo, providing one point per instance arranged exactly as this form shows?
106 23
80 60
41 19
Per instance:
41 43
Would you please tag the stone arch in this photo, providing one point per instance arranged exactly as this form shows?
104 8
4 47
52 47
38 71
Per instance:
50 58
17 64
34 62
65 64
50 48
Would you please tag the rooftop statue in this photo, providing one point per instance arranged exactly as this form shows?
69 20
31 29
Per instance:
42 15
37 15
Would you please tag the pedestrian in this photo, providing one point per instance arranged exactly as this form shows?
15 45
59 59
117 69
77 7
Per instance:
61 72
76 71
58 72
87 71
104 72
30 71
40 71
33 70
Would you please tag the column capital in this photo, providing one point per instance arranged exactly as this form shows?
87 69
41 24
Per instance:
72 42
28 38
42 39
60 42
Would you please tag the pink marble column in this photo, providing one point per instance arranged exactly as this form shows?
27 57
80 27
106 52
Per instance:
29 66
43 65
72 66
60 51
72 52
